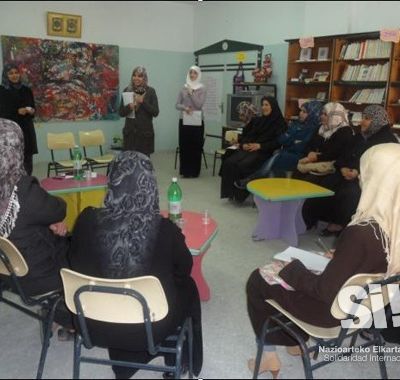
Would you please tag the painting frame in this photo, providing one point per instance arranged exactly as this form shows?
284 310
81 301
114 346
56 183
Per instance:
64 25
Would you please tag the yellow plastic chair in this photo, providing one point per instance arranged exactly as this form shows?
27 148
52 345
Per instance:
95 138
12 267
139 300
61 141
229 137
329 337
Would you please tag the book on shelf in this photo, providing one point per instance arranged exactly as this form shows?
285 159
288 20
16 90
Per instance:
368 96
366 50
366 73
321 96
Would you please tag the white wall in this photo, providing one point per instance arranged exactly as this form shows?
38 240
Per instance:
337 17
259 22
158 25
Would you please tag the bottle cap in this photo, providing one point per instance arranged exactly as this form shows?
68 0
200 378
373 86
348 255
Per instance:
174 179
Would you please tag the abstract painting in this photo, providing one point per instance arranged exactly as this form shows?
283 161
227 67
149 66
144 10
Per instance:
69 80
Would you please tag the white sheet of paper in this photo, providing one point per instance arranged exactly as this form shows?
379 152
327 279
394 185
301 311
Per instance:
233 147
311 261
128 98
192 119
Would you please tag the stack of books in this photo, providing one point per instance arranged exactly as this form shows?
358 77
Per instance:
369 96
366 49
366 73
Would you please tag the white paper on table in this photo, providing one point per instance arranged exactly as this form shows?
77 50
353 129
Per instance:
128 98
233 147
195 118
312 261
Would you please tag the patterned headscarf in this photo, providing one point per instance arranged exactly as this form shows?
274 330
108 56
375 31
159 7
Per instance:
313 109
5 82
129 221
337 118
196 84
380 199
247 110
11 171
141 71
379 118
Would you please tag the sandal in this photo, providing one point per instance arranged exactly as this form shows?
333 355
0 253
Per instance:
65 335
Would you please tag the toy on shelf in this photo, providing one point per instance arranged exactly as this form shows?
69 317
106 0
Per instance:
261 74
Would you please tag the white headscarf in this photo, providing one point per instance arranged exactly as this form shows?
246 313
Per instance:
380 198
194 85
337 118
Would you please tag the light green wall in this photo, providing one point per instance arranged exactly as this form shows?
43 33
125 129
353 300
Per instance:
167 74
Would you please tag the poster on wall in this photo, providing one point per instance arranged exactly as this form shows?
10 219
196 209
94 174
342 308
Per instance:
69 80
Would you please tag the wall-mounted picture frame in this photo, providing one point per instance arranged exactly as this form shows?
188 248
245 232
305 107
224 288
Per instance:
64 25
305 54
323 53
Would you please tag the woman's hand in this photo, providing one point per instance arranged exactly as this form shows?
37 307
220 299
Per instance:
30 110
349 174
59 228
304 161
132 106
139 99
329 254
22 111
254 147
312 157
189 110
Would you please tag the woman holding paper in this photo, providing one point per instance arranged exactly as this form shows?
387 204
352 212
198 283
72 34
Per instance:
369 244
139 104
191 124
17 104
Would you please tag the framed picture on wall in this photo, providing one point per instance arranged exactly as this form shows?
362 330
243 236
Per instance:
64 25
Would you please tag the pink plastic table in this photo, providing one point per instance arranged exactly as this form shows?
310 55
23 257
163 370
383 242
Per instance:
198 239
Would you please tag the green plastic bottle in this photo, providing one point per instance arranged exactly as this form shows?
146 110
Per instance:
78 171
174 201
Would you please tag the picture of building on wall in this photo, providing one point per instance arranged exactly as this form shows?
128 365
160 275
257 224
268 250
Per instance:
69 80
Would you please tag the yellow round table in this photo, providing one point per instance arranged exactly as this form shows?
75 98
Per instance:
77 194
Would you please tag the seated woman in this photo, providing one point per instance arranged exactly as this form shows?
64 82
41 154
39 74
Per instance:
293 142
30 217
337 210
332 141
129 238
257 143
369 244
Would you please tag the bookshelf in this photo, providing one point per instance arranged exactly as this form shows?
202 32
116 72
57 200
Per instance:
308 68
362 70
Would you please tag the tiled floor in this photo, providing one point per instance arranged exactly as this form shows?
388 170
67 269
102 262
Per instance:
228 338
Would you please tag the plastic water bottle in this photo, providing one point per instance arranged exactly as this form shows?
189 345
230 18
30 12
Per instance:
174 201
78 172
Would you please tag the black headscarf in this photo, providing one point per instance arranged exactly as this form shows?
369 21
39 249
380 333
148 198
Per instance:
5 82
129 221
275 118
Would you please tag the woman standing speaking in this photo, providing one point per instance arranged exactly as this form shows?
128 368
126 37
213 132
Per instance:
17 104
191 123
139 111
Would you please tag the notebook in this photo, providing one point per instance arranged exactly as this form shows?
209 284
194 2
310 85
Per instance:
312 261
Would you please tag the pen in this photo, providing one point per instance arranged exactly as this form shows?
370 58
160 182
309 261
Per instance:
322 245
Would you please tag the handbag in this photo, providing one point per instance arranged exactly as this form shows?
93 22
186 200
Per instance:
317 168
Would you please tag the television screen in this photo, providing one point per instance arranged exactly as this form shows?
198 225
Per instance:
232 115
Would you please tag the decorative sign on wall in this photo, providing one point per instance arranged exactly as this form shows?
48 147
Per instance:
69 80
64 25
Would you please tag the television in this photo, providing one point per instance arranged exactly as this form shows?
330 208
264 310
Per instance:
233 100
